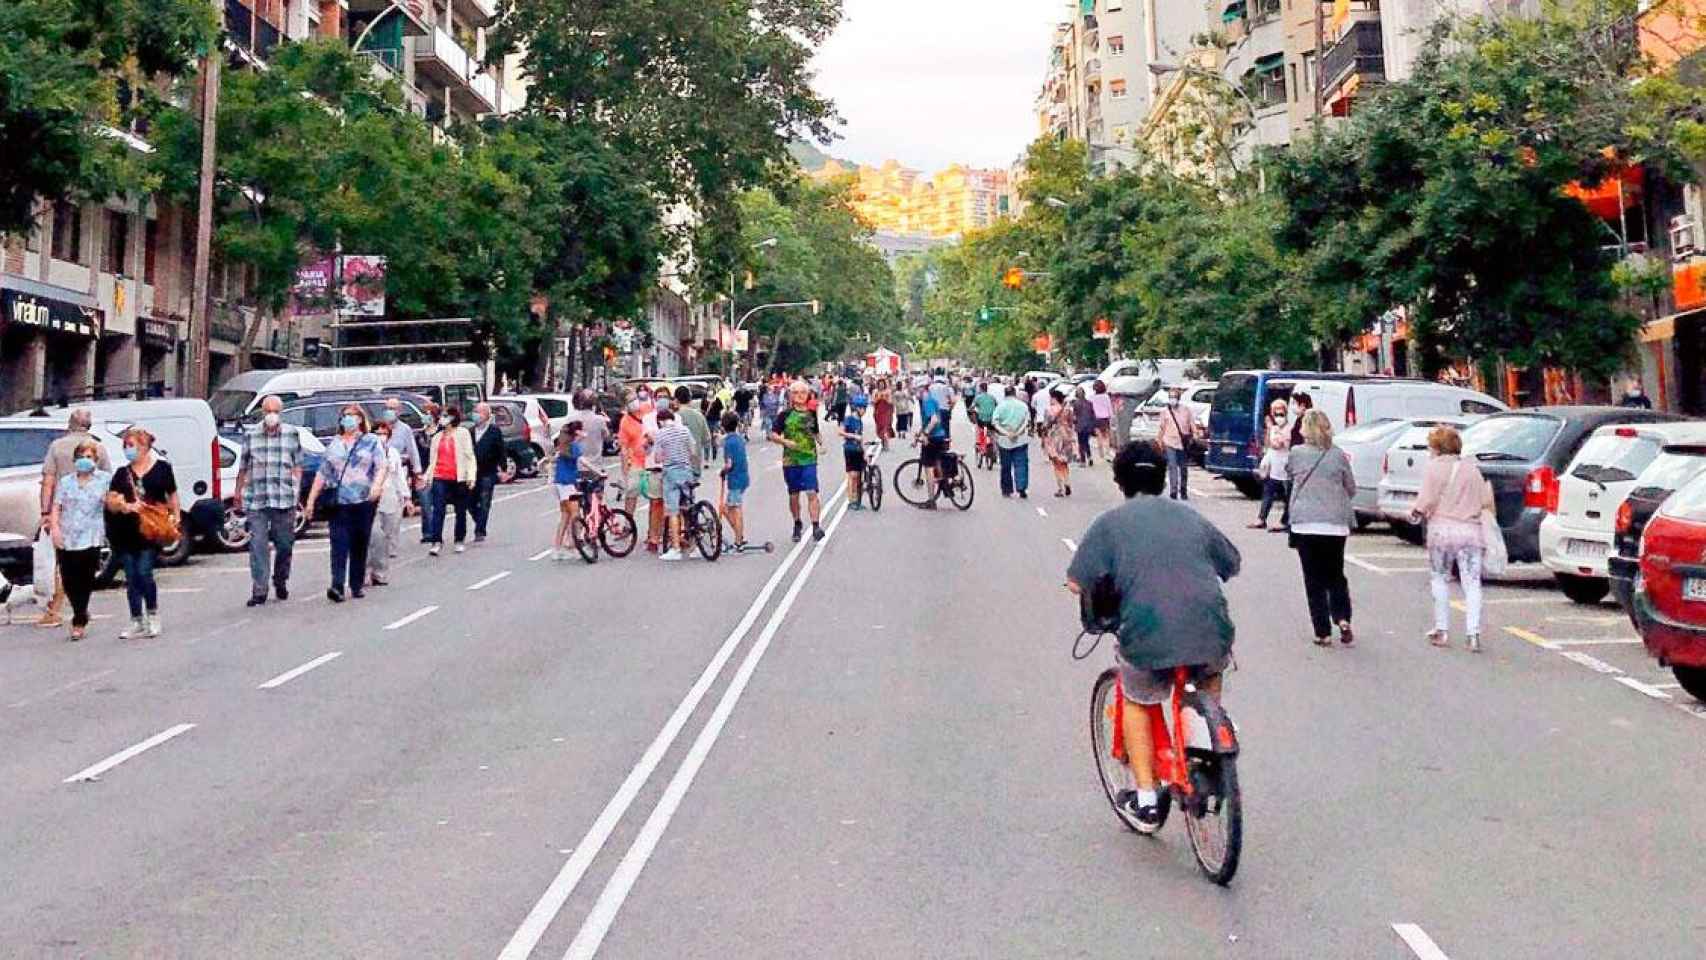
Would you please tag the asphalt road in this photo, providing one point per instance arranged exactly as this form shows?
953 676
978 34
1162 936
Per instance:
873 747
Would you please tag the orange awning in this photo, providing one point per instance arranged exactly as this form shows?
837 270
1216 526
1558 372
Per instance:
1611 196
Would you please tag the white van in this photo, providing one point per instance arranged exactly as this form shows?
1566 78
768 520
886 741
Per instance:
1351 401
1577 538
463 384
1133 377
186 437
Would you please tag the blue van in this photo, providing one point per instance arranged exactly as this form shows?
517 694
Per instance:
1234 422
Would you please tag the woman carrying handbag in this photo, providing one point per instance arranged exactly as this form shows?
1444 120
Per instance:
1322 485
1454 502
142 517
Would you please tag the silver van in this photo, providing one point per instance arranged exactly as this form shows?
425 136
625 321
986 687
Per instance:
463 384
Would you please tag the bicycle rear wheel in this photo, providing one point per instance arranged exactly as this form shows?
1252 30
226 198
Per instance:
911 482
1215 819
874 486
961 489
584 541
707 530
618 535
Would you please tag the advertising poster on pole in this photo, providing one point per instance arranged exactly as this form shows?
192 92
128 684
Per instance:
362 286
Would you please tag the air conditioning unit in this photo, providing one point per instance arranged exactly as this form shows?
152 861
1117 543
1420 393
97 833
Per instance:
1683 243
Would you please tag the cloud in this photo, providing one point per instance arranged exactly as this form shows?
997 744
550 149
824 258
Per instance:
932 82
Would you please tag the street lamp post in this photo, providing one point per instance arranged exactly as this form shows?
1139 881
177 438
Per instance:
727 358
741 324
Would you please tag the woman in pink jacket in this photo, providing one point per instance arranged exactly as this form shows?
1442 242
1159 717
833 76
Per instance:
1453 497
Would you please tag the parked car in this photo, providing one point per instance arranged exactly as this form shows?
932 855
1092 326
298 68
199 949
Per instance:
1368 445
1198 395
1576 537
1674 467
1401 482
544 414
1139 378
444 383
510 417
1522 454
1670 590
23 447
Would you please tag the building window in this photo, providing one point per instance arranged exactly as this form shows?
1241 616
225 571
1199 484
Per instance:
1294 83
150 240
1116 89
1309 71
115 259
67 232
1116 45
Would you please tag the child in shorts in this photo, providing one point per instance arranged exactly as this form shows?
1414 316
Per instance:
736 478
853 450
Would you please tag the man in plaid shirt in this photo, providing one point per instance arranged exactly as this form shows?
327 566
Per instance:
268 478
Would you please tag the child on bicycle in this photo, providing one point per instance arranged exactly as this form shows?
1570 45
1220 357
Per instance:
853 449
565 477
1150 572
736 478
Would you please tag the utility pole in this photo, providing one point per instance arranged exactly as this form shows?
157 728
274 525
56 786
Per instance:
201 313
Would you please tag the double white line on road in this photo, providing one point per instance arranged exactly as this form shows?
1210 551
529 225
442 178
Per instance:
551 902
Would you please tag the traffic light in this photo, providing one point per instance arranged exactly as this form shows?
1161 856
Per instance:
1013 279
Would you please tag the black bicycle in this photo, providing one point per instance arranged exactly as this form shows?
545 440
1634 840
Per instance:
700 524
871 482
912 482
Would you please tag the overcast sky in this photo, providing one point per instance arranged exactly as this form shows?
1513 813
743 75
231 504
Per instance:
930 82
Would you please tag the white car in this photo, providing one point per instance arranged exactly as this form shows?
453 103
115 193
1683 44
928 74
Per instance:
1130 378
1198 396
1578 537
1401 481
546 413
1367 446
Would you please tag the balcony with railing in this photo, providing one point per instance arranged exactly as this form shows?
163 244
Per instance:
1092 68
1359 57
439 57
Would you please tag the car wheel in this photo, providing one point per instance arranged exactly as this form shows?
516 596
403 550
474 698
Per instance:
175 554
1693 680
507 469
233 533
107 573
1585 590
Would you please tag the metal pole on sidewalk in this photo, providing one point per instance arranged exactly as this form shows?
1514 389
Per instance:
201 313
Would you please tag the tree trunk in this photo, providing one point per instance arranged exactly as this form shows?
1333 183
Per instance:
775 348
250 332
547 352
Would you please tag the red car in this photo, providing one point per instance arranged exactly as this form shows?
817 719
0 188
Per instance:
1670 593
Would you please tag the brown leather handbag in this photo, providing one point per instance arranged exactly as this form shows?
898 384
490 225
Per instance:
158 521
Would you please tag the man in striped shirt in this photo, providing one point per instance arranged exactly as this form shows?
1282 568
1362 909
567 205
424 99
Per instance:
678 454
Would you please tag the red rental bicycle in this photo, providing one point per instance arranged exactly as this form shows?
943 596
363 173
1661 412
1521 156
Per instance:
1202 778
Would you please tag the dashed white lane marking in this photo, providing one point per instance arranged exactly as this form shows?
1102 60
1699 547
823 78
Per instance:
542 554
56 691
182 589
94 772
1592 663
483 584
411 618
1665 686
603 914
1041 512
1360 562
292 674
1649 689
1069 544
1419 942
551 902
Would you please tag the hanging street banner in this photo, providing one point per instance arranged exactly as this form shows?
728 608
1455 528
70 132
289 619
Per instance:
362 285
312 292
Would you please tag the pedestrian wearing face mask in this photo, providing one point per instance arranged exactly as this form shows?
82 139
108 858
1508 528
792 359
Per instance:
452 471
423 482
488 460
269 476
352 474
1178 430
78 526
145 485
56 464
403 441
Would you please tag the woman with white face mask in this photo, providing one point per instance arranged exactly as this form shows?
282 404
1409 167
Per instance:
78 526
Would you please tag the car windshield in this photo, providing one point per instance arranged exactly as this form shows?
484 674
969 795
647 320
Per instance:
23 448
1236 395
1673 468
1521 438
229 405
1610 458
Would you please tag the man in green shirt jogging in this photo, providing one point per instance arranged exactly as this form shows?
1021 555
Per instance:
796 430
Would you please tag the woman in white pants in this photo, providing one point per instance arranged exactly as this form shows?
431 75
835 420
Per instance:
1453 497
388 522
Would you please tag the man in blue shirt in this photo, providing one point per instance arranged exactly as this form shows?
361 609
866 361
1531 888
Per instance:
736 478
934 415
853 450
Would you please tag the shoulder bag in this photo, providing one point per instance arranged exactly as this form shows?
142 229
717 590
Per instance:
156 521
328 500
1290 536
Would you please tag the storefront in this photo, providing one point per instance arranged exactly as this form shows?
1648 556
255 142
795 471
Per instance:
161 344
48 337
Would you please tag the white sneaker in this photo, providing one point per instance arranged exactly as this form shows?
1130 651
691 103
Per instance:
672 555
137 630
461 548
433 552
152 622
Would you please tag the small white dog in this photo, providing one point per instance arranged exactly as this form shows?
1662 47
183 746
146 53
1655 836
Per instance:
13 596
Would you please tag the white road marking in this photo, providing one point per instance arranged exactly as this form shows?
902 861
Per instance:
1665 686
1041 512
94 772
521 493
91 678
1419 942
411 618
1407 555
290 675
1587 618
1592 663
609 903
1603 641
1360 562
182 589
1069 544
542 554
483 584
1646 688
550 903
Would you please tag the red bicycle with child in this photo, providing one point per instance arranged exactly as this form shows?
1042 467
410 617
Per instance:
601 525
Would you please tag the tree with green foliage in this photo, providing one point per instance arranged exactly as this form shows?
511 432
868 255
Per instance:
72 72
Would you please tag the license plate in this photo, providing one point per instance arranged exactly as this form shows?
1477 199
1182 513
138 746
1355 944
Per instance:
1585 549
1694 588
1403 495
